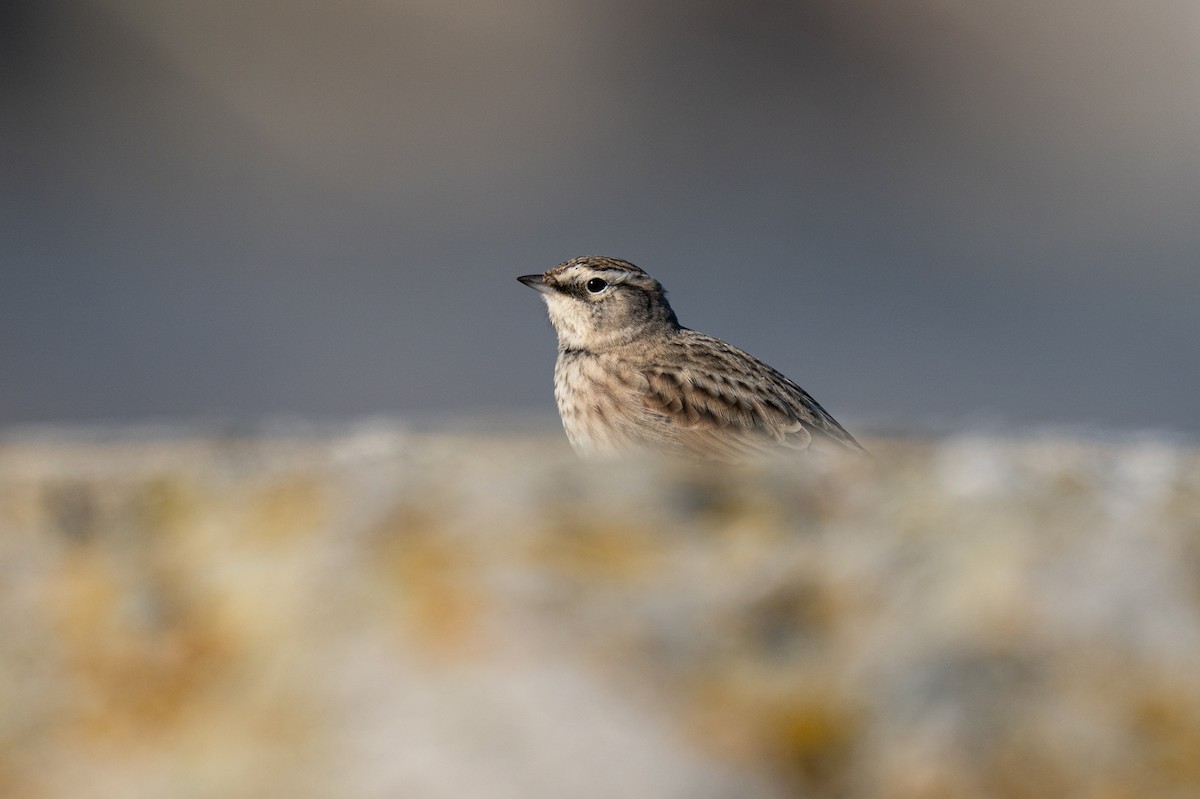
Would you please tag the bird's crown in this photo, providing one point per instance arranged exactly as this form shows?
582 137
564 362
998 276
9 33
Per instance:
614 271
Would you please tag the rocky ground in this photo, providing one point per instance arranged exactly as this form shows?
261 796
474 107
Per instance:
375 612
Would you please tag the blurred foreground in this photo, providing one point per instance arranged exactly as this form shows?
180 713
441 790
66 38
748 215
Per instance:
390 614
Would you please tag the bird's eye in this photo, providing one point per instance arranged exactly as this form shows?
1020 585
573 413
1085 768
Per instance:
596 285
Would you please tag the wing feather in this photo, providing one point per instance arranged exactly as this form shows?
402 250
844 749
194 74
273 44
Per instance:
707 398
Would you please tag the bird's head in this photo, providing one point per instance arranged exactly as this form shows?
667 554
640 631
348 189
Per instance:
596 302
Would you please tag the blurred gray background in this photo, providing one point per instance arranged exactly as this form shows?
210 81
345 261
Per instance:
922 210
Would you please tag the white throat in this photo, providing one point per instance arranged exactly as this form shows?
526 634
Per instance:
572 323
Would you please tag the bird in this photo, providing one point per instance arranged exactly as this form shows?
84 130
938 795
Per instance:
629 379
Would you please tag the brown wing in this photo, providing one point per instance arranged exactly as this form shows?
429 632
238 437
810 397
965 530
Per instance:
708 399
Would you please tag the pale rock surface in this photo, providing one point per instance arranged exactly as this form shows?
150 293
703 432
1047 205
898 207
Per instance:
382 613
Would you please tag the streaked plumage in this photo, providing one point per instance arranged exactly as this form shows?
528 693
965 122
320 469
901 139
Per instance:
630 378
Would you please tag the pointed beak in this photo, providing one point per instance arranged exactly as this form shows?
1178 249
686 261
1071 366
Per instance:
536 283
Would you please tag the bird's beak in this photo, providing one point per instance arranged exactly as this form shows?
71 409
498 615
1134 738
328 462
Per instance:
536 283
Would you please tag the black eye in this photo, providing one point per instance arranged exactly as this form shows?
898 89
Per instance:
596 285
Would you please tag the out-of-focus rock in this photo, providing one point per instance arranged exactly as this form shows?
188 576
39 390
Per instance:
385 614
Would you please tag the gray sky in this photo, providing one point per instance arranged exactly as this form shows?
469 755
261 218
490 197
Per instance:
919 210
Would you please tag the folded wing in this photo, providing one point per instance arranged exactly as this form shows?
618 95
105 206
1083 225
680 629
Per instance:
699 406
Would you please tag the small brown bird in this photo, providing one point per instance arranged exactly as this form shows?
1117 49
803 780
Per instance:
629 378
